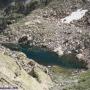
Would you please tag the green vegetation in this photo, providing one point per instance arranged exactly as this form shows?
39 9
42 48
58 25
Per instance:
83 83
61 70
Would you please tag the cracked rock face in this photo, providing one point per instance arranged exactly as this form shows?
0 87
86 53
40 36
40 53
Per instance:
13 74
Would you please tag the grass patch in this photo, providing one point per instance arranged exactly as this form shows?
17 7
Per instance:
61 70
83 83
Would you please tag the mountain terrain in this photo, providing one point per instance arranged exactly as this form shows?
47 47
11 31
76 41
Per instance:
61 26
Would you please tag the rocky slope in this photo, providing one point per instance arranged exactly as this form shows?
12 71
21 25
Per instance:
45 27
16 71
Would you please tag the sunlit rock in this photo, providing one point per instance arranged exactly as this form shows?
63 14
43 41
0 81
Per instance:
59 51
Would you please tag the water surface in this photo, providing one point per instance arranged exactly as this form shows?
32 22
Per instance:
47 57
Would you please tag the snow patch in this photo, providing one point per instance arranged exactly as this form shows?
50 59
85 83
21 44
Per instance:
74 16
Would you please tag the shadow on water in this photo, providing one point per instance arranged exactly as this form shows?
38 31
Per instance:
46 57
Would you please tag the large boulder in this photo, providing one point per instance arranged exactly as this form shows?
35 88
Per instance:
42 77
12 74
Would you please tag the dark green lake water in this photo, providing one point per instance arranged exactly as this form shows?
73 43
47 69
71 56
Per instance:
47 57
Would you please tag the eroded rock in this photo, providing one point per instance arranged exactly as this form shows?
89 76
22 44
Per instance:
14 73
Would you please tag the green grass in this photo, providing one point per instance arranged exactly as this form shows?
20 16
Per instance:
83 83
61 70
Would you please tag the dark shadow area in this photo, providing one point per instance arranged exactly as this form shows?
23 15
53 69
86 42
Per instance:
46 57
4 3
12 11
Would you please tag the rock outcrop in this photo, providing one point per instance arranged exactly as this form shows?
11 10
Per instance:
13 74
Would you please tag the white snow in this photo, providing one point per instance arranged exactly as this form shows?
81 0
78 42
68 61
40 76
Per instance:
78 14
